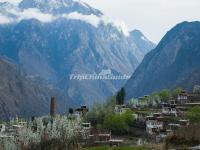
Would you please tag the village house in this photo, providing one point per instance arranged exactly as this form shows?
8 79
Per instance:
86 126
184 123
153 125
194 97
188 99
182 97
157 115
80 112
120 109
174 126
169 108
17 128
104 137
140 116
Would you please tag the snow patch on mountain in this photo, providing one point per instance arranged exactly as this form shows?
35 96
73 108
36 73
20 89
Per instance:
81 2
144 38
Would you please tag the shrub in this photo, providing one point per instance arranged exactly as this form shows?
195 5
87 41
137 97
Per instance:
115 123
193 114
164 95
118 148
118 124
184 137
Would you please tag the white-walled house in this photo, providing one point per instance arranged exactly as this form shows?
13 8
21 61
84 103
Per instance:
80 112
153 125
86 126
120 109
2 128
169 108
184 123
182 98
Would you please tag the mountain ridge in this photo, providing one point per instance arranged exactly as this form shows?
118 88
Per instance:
174 58
60 6
22 95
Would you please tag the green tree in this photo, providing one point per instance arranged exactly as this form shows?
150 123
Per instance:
97 113
128 117
155 98
123 94
164 95
132 102
92 118
120 97
71 111
118 124
176 91
193 114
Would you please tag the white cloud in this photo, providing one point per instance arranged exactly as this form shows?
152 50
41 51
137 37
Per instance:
95 21
91 19
33 13
121 26
153 17
4 20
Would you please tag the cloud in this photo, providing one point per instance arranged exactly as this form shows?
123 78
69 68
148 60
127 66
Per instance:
153 17
117 23
4 20
121 26
91 19
33 13
95 21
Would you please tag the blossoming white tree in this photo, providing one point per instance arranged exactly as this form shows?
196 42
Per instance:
40 130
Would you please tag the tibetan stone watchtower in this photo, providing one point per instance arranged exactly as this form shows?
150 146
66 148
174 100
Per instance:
53 107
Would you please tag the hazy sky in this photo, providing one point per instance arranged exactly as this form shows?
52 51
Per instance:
153 17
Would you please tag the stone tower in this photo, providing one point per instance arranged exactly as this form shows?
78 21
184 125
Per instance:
53 107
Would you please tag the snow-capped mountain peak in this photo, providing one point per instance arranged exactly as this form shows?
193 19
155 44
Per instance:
51 10
57 7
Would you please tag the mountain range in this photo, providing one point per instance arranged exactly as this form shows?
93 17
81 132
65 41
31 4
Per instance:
49 40
175 62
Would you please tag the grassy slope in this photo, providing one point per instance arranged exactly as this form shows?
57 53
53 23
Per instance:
118 148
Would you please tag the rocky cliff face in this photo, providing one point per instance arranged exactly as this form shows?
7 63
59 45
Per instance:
23 95
142 43
172 63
